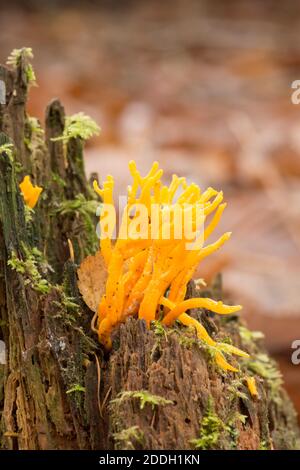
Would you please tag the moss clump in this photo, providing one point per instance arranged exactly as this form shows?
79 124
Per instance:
35 126
210 431
124 440
232 430
69 303
8 149
76 388
237 389
58 180
266 368
34 133
78 126
263 445
79 205
213 428
248 336
14 59
29 268
158 329
81 214
186 336
28 213
145 398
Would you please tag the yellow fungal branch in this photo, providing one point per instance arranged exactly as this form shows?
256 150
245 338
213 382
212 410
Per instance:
30 192
149 268
251 384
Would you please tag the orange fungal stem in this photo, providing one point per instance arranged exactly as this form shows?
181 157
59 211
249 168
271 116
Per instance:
217 307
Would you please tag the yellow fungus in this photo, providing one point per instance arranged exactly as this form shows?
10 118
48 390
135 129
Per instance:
221 361
71 250
148 276
217 307
30 192
251 384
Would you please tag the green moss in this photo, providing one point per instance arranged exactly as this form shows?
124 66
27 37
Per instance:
35 126
76 388
28 213
227 340
232 430
84 211
263 445
79 205
18 168
144 397
14 60
188 341
214 433
66 302
187 336
124 440
8 149
69 304
236 388
34 133
250 336
210 431
67 308
57 179
78 126
159 329
29 268
160 334
266 368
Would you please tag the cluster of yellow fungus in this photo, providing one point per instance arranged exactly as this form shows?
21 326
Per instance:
30 192
148 277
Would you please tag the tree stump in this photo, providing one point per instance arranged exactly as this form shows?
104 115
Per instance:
158 388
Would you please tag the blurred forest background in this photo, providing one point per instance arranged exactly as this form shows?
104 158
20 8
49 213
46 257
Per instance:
204 87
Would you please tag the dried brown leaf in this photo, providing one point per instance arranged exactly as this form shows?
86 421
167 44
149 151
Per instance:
92 276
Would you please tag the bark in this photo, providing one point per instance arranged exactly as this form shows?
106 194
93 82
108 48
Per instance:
58 390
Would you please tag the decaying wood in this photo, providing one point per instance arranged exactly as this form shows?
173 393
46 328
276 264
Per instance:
58 390
47 350
171 364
